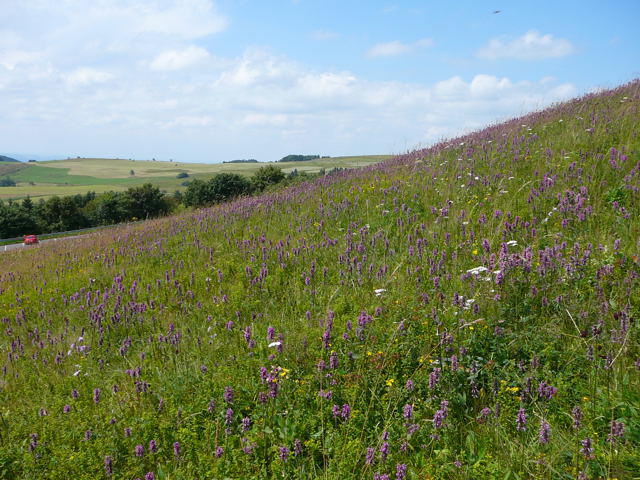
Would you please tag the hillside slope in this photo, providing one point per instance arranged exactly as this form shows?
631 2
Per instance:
465 311
4 158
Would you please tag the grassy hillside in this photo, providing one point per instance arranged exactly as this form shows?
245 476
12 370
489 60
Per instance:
4 158
465 311
68 177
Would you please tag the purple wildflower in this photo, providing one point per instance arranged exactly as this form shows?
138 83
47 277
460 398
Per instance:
297 447
409 385
176 449
139 451
153 446
401 471
484 415
284 454
407 411
346 411
587 448
219 452
617 431
108 465
546 391
66 409
384 450
228 394
246 424
521 420
368 459
544 432
434 377
576 414
150 476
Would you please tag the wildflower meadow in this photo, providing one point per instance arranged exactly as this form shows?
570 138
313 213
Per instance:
466 311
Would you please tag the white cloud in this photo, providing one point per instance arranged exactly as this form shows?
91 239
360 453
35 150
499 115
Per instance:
12 58
179 59
86 76
204 107
396 47
530 46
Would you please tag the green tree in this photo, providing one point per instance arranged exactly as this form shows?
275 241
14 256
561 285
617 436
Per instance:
107 209
146 201
225 186
266 176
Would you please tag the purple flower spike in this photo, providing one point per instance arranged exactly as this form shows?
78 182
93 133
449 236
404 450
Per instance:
284 454
521 420
544 433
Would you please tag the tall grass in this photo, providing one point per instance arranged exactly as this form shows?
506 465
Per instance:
464 311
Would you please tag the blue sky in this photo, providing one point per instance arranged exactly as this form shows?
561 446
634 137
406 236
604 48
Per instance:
213 80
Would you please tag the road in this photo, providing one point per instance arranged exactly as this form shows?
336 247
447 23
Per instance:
17 246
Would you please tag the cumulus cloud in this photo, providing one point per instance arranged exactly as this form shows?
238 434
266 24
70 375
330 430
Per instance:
396 47
179 59
86 76
530 46
207 107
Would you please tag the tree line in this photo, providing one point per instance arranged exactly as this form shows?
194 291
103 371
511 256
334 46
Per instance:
58 214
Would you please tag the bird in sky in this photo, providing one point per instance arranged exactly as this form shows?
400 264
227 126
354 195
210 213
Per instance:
496 11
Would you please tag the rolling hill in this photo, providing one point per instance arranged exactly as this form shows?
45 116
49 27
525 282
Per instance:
7 159
78 175
469 310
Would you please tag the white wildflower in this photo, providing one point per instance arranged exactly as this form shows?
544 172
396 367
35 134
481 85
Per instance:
275 344
379 291
477 270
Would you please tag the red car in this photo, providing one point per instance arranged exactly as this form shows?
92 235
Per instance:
30 240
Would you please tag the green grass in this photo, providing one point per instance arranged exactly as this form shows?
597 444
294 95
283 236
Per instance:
68 177
366 278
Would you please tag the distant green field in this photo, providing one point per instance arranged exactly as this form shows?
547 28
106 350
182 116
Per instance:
79 175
